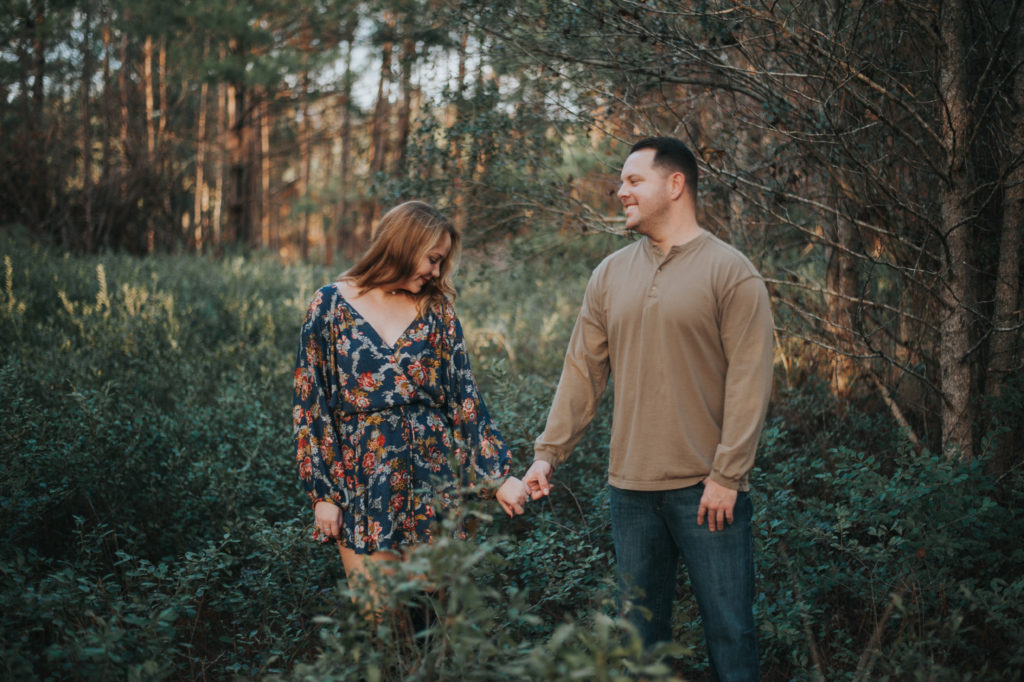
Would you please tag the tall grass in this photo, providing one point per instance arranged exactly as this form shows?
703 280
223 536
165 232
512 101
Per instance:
152 525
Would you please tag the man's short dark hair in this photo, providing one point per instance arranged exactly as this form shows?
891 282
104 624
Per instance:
673 154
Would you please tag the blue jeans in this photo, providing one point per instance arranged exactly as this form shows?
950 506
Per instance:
651 530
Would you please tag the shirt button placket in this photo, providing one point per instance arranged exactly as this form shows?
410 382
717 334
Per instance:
654 281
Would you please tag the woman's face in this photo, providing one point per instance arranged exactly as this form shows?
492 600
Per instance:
429 266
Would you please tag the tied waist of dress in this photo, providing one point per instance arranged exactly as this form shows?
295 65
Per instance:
350 403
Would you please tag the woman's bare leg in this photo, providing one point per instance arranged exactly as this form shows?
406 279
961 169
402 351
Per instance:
362 575
358 570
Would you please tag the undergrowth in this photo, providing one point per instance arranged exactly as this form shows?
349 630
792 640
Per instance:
152 525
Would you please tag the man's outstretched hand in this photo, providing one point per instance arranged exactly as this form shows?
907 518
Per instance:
538 479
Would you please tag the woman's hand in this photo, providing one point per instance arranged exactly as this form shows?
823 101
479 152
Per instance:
328 518
512 495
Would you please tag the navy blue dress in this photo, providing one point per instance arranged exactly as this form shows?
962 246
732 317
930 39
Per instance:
393 435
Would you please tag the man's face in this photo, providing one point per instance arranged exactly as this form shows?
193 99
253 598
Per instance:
645 191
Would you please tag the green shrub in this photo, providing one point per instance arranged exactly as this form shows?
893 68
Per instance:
879 560
474 631
152 525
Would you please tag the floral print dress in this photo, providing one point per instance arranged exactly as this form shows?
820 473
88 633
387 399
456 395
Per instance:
391 434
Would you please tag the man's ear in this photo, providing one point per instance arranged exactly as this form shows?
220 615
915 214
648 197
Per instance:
677 185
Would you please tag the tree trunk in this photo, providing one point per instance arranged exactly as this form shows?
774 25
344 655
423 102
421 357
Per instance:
163 107
148 92
841 307
101 221
343 221
382 112
221 133
147 84
108 109
328 159
165 192
405 110
455 150
266 224
1006 318
38 60
305 166
39 190
240 150
200 198
86 143
259 222
235 168
479 143
127 148
123 233
738 209
956 290
379 137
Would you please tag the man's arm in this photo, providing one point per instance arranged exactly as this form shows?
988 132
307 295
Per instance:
747 339
584 377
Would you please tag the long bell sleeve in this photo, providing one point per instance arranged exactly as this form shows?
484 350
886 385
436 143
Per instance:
314 431
482 456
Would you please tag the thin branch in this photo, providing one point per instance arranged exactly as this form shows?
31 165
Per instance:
873 354
894 408
846 297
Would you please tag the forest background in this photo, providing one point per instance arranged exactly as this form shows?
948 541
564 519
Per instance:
176 180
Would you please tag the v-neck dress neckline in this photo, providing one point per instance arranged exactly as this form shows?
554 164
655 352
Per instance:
380 338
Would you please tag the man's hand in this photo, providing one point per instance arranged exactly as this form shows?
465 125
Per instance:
328 518
537 479
512 495
717 503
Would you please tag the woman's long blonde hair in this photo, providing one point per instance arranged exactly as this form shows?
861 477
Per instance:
404 236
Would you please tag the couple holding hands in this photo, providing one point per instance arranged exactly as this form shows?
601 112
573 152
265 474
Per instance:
390 429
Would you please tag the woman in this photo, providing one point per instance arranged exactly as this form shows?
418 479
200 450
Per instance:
390 429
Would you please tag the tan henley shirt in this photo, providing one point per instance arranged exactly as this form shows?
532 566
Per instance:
687 337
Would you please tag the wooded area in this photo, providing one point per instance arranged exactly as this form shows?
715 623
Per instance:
176 179
868 155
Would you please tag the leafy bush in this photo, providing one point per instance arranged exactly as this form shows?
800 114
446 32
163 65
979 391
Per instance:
152 526
474 631
879 561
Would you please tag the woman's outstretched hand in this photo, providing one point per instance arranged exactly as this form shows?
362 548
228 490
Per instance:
512 496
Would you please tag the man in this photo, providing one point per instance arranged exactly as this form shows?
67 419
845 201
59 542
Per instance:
683 322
